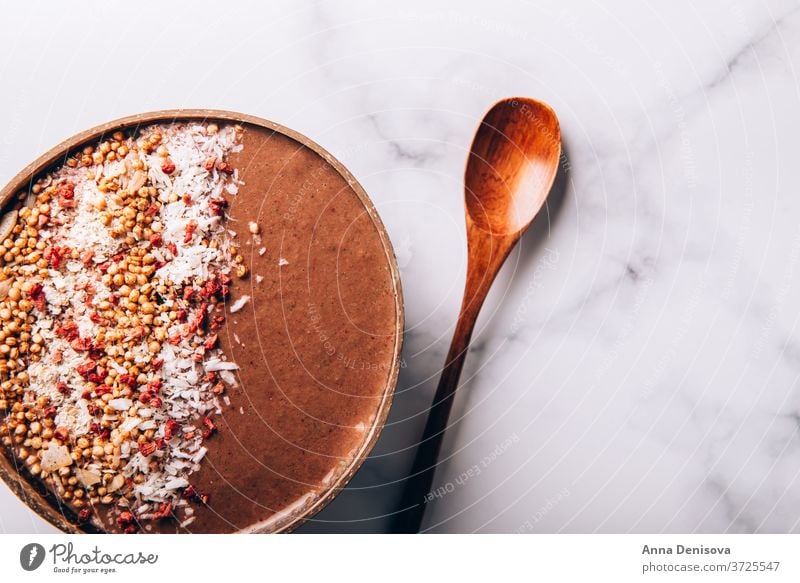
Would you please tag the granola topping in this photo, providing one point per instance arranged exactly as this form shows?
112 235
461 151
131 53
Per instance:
114 271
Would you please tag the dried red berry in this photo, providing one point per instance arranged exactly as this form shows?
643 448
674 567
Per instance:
124 518
170 428
68 330
97 349
127 379
103 390
147 448
37 297
225 167
81 344
191 227
198 318
61 434
168 167
217 205
210 427
211 287
66 195
86 368
164 511
96 318
54 255
98 377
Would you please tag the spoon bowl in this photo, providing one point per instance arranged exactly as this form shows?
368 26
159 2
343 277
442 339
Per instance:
511 167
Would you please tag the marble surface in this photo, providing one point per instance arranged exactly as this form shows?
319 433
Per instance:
636 367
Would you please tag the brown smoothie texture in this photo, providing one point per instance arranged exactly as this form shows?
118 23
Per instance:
315 344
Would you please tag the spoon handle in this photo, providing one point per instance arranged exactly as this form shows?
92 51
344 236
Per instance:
419 481
486 256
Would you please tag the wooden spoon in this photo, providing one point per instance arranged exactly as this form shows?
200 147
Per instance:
511 167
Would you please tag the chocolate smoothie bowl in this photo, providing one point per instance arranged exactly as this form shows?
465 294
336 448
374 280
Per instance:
200 327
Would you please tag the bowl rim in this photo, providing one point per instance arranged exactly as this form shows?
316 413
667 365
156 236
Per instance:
45 503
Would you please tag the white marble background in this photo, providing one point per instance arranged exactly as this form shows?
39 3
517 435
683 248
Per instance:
636 368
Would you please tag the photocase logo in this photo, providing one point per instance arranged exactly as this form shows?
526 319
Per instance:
31 556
